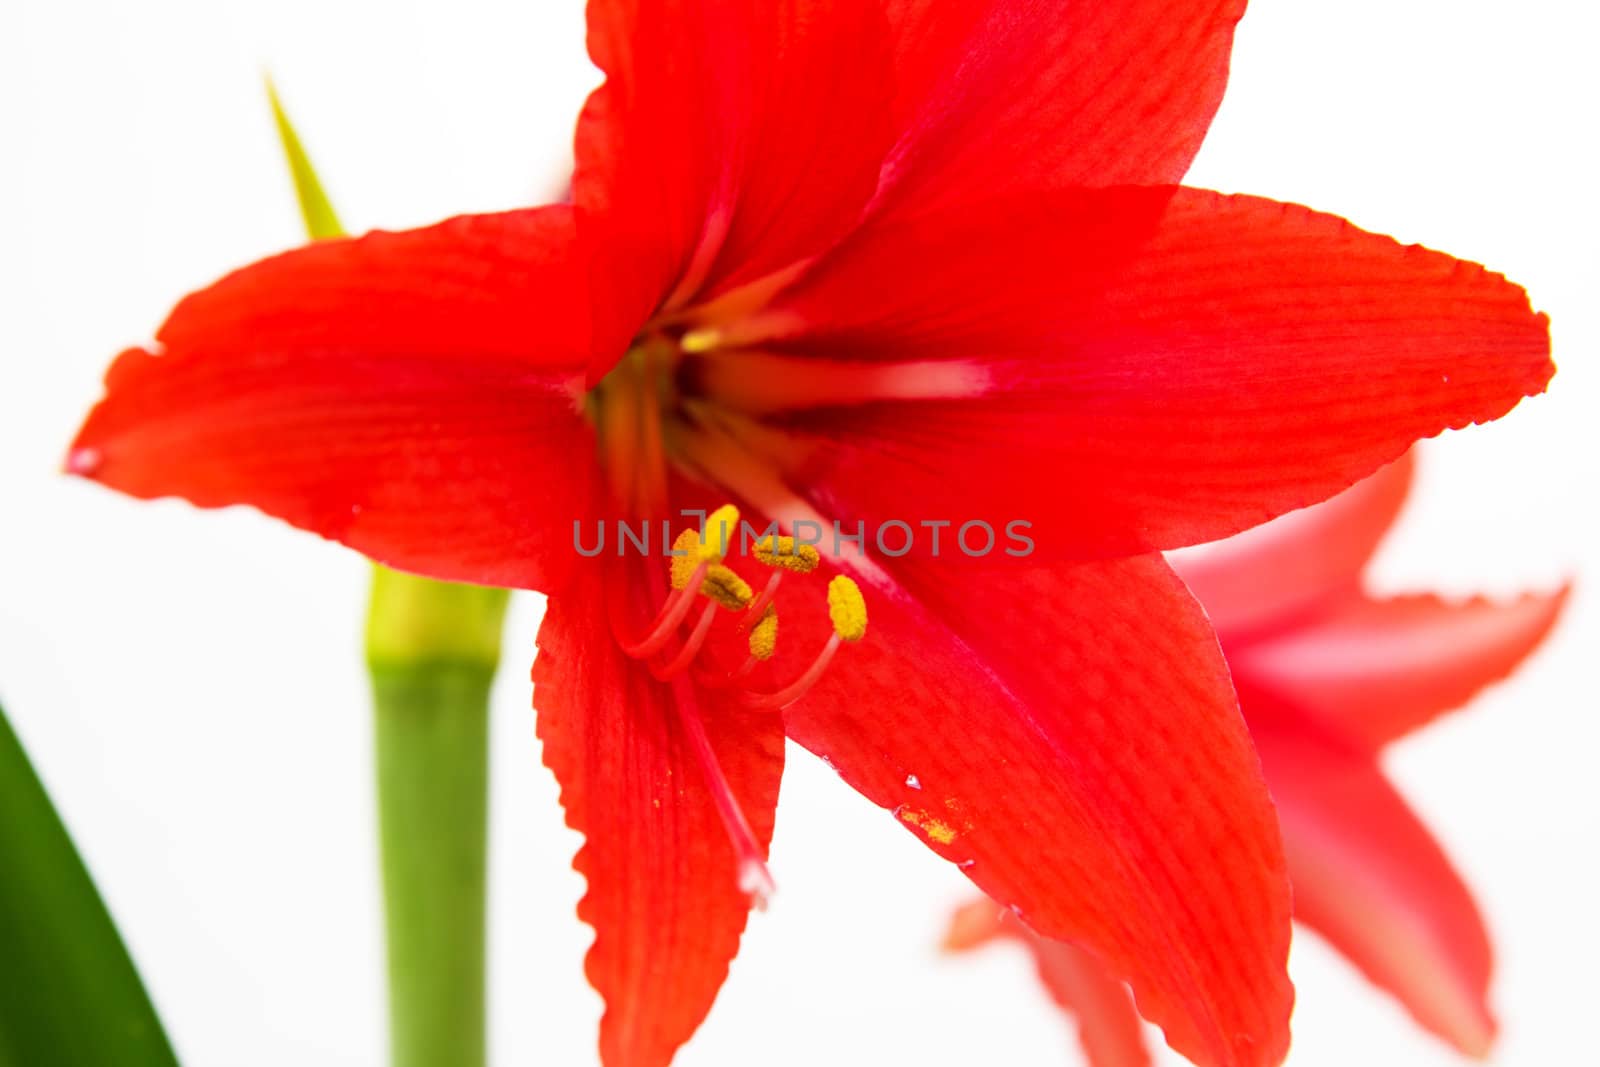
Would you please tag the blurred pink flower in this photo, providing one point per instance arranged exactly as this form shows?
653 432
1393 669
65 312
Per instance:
1327 675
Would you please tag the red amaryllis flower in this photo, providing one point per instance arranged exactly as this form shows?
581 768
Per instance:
1327 675
895 264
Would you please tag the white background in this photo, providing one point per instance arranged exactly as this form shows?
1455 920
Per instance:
189 683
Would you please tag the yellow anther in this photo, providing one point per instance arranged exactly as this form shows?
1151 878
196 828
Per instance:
685 558
692 549
778 551
726 588
722 526
847 610
702 340
764 637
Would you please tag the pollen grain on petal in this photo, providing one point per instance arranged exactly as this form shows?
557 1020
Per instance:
938 831
847 609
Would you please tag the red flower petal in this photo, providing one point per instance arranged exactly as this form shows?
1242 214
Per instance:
1143 369
1108 1025
1381 668
729 140
1272 574
1069 738
1369 877
408 394
663 894
1001 95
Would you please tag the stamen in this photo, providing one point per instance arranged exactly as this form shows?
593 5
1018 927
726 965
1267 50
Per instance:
847 610
757 610
726 588
754 878
780 550
669 618
764 638
720 527
697 562
797 689
685 558
691 647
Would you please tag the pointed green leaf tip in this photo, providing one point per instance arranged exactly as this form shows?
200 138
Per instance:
315 207
69 993
411 620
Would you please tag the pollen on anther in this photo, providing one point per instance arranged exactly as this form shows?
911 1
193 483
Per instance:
685 558
720 527
764 635
727 588
780 551
847 610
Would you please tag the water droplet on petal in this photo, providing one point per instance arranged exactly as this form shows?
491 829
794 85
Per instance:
913 782
84 461
967 864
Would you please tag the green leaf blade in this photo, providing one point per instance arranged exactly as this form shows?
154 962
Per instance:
69 991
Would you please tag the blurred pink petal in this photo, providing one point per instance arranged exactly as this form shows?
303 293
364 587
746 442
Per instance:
1275 573
1369 876
1382 668
1108 1024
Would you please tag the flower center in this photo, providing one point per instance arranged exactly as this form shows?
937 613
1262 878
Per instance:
699 578
696 390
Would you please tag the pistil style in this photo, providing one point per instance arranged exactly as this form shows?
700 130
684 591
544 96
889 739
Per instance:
847 610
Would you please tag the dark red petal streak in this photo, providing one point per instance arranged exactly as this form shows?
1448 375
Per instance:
408 394
1270 576
1108 1026
663 894
1009 94
1369 877
1382 668
1164 367
1070 738
729 140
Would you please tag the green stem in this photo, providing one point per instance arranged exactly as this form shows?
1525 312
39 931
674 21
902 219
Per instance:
432 651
